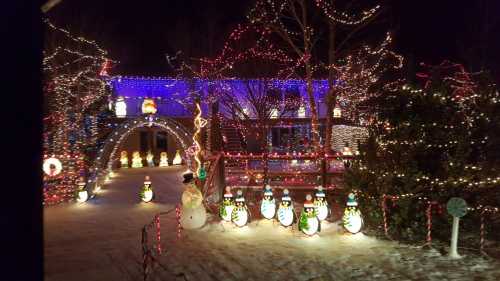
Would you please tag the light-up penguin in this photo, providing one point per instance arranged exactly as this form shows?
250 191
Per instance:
268 204
227 206
82 195
124 159
136 160
309 223
150 159
352 219
286 213
322 208
240 215
146 194
163 159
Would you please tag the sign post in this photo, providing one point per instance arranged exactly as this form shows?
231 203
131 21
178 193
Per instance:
457 207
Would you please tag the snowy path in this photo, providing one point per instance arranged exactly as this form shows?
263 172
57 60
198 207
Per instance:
100 240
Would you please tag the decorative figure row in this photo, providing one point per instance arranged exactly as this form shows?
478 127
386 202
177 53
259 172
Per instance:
137 159
313 212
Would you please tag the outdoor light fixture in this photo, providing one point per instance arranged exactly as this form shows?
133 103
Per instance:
52 166
120 107
149 106
337 112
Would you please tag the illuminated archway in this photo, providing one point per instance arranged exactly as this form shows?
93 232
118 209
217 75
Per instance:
103 164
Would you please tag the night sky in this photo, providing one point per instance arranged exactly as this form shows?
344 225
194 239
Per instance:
139 33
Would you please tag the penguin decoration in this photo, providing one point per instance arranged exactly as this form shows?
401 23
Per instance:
309 223
227 206
286 213
322 208
268 204
352 219
240 215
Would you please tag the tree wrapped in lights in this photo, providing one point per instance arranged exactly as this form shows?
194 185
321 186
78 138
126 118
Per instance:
74 93
300 25
434 141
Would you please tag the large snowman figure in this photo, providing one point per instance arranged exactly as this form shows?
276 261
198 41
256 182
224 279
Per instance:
227 206
193 213
240 215
286 213
268 204
322 209
309 222
352 215
163 159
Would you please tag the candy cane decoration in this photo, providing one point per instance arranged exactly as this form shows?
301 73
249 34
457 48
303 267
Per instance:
429 222
178 217
384 209
482 232
158 234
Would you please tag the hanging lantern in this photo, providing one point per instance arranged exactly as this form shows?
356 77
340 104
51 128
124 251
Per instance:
120 107
352 215
337 112
82 194
177 159
52 166
163 159
149 106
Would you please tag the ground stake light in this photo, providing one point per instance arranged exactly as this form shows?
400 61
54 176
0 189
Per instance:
136 160
353 222
286 213
268 204
124 159
163 159
457 207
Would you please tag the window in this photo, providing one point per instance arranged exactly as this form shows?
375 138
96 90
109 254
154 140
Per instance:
161 141
144 141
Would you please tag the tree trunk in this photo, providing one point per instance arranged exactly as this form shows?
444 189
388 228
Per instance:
331 97
314 112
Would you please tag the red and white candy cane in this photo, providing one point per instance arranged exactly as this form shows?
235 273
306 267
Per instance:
178 217
429 222
158 234
384 211
482 232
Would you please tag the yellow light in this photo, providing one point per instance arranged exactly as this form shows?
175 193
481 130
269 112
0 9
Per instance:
149 106
337 112
163 159
82 196
136 160
124 159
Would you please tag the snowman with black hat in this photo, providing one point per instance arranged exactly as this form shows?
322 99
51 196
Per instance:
193 213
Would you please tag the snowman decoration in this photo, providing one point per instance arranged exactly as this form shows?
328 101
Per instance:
322 209
149 159
268 204
124 159
227 206
146 192
286 213
240 215
163 159
352 215
193 213
136 160
309 223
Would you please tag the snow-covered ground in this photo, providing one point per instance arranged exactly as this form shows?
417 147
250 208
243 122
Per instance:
100 240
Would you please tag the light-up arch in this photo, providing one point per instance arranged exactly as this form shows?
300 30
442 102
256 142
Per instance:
104 160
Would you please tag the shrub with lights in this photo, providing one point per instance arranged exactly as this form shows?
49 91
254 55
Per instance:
429 142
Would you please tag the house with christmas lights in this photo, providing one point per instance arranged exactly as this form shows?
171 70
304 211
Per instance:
239 105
